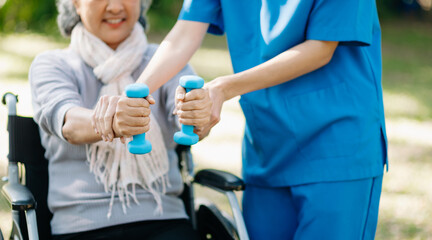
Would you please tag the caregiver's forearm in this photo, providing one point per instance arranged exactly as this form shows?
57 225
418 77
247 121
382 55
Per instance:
173 53
297 61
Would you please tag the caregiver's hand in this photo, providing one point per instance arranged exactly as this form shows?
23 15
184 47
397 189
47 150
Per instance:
194 108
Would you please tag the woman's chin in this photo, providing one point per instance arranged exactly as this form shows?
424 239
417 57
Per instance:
114 38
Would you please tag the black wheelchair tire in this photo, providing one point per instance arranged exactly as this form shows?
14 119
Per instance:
213 225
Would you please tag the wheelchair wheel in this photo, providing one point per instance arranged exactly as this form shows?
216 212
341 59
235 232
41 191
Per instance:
213 225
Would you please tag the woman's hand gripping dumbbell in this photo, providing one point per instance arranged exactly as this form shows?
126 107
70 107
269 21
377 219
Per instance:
139 145
121 116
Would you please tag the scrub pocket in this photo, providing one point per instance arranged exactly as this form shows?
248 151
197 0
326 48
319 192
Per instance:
325 122
268 135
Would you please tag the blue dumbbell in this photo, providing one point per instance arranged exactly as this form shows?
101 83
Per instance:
186 136
139 145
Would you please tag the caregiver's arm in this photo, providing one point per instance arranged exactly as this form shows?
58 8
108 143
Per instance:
173 53
297 61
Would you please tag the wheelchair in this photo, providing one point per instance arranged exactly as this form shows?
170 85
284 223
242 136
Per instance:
26 187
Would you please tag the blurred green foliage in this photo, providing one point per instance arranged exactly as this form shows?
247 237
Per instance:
39 15
419 9
21 15
163 14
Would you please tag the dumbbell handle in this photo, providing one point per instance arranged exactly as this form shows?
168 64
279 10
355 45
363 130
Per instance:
188 129
186 136
139 145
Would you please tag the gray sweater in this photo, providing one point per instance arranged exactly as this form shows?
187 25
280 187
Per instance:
59 80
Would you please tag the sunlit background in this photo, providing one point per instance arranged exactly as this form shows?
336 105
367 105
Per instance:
27 27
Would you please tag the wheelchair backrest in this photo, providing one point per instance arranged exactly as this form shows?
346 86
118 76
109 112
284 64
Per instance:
25 147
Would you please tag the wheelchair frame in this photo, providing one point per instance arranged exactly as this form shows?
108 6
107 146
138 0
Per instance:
205 217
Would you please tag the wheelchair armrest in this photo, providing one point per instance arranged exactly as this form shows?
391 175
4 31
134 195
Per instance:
219 180
19 196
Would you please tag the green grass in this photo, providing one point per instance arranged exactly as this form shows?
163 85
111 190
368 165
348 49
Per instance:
406 203
405 209
407 65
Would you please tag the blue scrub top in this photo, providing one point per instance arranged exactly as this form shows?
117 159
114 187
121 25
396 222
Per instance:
327 125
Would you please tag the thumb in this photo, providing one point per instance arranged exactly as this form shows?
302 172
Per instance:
179 97
180 94
150 99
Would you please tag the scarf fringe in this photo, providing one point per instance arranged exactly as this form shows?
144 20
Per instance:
120 176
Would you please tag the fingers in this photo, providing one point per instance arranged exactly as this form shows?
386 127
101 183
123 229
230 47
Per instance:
196 99
196 118
196 94
94 117
179 97
217 100
116 116
128 131
136 102
132 122
195 108
107 131
180 93
194 105
98 118
132 116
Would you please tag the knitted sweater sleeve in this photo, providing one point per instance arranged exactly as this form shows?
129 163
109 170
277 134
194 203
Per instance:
54 91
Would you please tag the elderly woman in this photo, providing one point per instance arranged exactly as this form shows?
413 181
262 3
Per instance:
97 189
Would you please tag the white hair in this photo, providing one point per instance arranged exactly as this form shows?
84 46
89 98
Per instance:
67 17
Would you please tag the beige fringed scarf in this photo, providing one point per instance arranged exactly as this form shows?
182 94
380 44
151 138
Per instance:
117 169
